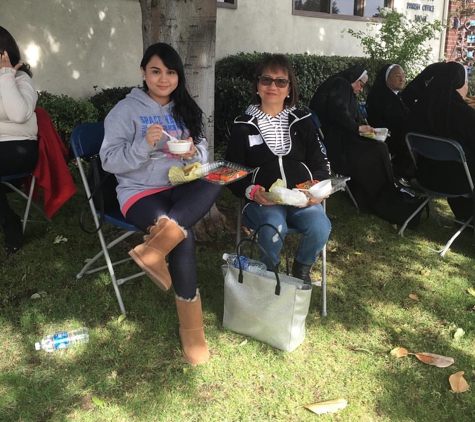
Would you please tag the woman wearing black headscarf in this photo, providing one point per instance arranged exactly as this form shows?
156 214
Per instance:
365 160
336 106
442 111
415 89
386 109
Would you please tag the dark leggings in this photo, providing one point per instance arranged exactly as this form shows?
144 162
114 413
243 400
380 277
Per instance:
15 157
186 204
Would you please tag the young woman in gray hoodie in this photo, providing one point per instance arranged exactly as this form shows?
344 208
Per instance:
135 150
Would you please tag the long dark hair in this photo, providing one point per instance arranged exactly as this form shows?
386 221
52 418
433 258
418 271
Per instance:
8 44
185 112
276 62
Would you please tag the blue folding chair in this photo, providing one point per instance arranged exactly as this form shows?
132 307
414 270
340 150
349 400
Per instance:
86 141
363 112
435 150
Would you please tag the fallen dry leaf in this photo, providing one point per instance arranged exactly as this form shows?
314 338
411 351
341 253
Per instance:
471 291
399 352
414 297
435 360
330 406
458 383
425 272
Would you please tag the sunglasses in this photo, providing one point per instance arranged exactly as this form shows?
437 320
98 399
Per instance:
279 82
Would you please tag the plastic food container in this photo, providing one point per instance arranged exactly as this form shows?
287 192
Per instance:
224 172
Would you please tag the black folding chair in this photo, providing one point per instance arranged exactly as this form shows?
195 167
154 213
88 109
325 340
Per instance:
428 152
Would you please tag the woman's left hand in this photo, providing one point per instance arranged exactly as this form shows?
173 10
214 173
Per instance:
313 201
190 153
5 61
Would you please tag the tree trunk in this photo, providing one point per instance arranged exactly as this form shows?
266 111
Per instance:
189 26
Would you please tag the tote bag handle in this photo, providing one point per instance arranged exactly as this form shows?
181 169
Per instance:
254 242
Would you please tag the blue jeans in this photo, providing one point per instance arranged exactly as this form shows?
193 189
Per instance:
311 222
186 204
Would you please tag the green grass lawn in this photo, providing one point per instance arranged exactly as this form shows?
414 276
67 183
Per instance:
132 370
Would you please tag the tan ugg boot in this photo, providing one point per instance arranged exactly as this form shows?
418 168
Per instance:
192 336
150 255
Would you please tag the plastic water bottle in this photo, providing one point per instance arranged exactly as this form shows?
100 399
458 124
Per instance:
247 264
63 340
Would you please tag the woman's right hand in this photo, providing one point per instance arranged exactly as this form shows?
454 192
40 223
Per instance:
154 134
5 61
366 128
259 197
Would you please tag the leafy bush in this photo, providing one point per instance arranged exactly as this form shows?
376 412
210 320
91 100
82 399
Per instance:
105 100
399 40
66 112
233 86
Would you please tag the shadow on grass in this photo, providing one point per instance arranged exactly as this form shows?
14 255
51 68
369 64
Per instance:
135 367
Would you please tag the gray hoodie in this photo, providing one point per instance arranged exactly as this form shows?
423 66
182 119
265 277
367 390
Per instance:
125 152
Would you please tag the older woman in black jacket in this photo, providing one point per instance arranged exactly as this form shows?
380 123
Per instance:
280 142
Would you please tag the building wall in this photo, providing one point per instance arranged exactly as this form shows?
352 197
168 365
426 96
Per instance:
77 46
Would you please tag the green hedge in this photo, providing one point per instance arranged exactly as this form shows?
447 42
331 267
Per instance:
234 82
233 91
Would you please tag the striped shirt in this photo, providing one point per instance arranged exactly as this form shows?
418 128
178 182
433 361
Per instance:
274 130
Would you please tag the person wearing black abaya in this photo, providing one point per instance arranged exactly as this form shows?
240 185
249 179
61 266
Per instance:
415 89
442 111
336 106
365 160
386 110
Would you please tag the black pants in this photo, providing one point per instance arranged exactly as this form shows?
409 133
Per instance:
15 157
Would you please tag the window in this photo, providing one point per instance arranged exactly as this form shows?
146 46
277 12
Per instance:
339 8
229 4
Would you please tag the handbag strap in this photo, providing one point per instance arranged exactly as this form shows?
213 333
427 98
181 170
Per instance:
254 242
286 249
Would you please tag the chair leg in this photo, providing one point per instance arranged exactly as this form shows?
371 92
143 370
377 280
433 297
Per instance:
401 230
447 245
348 191
240 205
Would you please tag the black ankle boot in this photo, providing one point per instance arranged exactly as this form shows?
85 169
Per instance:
13 230
302 271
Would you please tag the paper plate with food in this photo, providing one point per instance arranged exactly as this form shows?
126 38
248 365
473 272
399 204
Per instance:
224 172
320 190
379 134
279 194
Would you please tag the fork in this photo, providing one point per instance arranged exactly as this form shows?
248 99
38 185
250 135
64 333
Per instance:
170 136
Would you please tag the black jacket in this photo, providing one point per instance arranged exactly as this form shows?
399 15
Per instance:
305 160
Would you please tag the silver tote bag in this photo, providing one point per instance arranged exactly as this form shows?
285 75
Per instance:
270 308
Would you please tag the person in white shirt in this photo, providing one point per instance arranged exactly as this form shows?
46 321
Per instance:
18 130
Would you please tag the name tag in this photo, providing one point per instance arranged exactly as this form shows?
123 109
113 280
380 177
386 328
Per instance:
255 140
